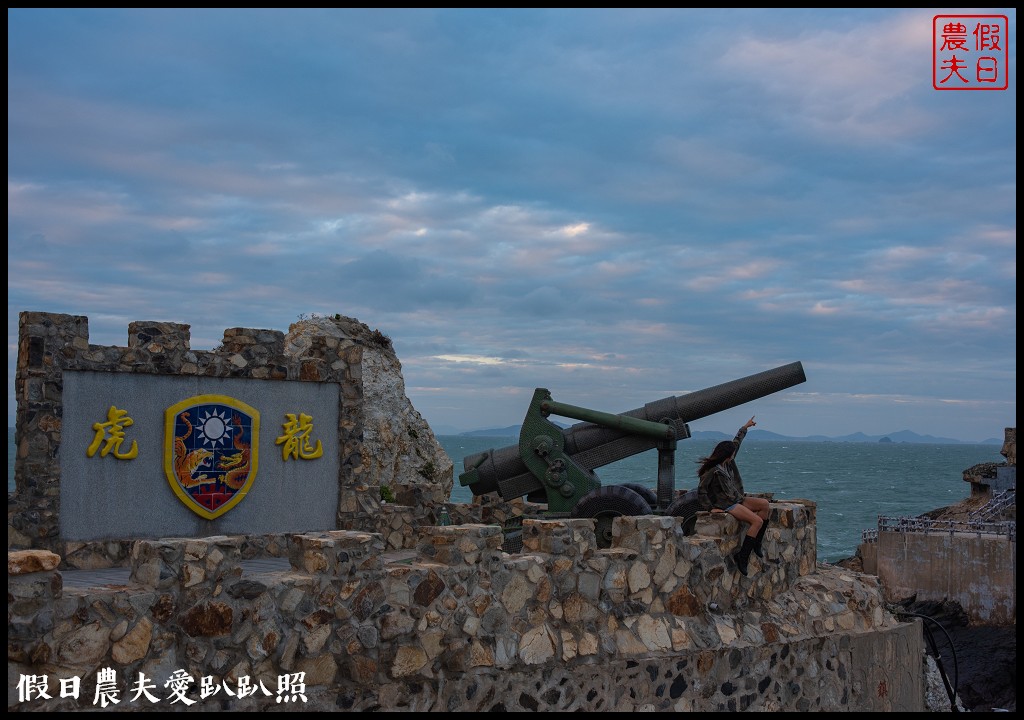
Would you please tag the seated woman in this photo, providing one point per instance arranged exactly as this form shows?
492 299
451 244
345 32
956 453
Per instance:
721 490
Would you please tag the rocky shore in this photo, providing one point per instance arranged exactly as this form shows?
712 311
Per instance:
980 661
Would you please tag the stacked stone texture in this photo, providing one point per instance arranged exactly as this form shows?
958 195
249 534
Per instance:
389 611
403 453
659 621
315 350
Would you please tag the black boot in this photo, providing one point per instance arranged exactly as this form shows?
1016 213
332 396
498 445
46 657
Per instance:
760 539
743 555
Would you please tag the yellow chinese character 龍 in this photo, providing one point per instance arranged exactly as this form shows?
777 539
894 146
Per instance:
295 440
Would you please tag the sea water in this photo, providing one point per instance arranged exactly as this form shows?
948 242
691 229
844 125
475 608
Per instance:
851 483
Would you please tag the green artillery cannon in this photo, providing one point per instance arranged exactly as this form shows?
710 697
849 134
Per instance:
555 465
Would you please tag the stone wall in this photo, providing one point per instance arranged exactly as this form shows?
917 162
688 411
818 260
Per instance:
401 451
59 372
660 621
388 611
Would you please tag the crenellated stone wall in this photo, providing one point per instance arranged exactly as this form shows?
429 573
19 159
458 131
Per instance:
660 621
379 607
64 384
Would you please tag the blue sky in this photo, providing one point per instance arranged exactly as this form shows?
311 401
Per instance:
616 205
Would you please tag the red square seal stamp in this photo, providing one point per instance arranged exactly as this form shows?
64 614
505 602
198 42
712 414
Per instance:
970 52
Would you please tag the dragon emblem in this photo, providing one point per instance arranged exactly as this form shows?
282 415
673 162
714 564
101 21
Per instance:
236 465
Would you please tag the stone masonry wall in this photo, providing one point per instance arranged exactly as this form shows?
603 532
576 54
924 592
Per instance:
659 621
388 611
51 344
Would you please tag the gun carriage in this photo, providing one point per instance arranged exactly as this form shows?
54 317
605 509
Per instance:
555 465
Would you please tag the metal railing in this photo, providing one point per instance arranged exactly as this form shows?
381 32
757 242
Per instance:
952 527
997 505
981 521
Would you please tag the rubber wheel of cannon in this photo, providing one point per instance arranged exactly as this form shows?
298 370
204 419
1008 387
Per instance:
512 542
607 503
686 506
645 492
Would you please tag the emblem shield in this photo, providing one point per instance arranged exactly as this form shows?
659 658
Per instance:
211 444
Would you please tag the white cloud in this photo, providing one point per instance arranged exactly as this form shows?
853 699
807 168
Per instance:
574 230
474 359
611 202
849 83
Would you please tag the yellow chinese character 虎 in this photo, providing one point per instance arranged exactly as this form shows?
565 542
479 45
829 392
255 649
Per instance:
113 431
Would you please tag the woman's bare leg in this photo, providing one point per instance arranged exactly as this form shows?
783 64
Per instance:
745 514
759 505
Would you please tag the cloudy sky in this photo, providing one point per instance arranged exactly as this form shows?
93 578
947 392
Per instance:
616 205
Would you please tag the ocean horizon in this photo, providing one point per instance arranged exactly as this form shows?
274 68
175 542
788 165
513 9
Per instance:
852 483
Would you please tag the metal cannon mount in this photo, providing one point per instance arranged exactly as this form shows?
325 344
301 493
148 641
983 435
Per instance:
555 465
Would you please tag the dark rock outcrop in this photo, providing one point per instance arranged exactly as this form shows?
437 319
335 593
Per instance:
980 661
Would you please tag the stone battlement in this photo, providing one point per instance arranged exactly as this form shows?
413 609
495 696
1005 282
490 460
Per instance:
205 530
659 621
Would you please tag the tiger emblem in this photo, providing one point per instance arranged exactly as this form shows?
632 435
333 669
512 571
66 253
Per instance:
187 464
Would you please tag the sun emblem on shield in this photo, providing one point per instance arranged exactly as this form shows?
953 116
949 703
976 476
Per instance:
210 452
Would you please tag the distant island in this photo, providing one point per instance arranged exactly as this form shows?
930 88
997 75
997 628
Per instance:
903 436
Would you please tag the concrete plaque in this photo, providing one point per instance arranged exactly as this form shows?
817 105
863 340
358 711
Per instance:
148 456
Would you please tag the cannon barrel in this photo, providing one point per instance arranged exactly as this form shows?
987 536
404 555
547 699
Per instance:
592 446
